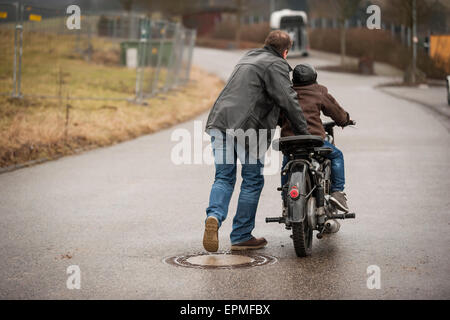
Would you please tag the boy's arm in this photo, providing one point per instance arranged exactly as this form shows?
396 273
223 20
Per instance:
332 109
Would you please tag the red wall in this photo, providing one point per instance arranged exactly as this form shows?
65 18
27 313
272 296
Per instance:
203 22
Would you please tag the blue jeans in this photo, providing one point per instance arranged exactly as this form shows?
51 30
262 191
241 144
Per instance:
225 179
337 168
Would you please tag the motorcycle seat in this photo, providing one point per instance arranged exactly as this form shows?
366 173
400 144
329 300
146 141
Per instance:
323 151
297 142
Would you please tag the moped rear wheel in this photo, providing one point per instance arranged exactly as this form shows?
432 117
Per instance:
302 236
302 232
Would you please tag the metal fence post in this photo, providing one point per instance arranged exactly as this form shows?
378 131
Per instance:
162 40
179 61
141 64
90 47
191 50
15 52
170 67
19 27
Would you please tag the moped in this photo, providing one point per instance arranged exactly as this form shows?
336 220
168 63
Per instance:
306 195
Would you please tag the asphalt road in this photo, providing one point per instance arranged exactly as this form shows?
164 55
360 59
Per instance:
117 212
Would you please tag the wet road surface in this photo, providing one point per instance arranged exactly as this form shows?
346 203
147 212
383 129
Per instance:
117 212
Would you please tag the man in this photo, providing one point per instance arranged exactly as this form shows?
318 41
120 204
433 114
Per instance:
256 91
314 99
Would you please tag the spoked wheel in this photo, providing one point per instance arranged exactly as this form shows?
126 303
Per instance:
302 232
302 235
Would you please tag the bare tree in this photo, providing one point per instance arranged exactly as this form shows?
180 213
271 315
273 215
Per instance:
342 10
404 13
345 9
321 9
240 9
168 8
127 5
399 11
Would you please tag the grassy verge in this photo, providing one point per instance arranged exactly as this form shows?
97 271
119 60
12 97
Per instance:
63 66
36 128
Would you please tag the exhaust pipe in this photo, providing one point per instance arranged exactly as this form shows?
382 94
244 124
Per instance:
332 226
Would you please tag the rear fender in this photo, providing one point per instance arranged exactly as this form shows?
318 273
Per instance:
297 207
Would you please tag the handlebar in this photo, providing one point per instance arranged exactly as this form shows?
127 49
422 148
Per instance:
331 124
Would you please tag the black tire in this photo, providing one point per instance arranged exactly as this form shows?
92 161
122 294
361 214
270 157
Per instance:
302 233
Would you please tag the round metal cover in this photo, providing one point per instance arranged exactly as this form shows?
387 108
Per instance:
225 260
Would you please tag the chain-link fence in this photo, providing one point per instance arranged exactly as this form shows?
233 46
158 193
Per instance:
8 47
166 57
112 56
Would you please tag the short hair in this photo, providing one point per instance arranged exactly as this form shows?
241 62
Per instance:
279 40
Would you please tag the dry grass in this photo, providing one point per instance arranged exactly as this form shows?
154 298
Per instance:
35 128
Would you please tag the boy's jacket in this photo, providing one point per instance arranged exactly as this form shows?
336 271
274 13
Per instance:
313 99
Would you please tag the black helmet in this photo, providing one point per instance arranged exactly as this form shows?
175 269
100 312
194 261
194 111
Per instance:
304 74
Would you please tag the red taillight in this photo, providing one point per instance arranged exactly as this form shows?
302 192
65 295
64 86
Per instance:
294 193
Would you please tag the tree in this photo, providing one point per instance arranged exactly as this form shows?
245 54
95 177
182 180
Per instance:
168 8
342 10
240 9
127 5
401 12
345 9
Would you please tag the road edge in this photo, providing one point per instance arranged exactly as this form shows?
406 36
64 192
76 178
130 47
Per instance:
436 111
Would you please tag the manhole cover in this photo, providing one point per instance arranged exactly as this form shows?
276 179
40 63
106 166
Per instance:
224 260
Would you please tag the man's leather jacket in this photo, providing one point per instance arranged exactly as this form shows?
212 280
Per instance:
256 91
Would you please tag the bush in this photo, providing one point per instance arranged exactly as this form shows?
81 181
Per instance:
255 32
374 44
226 30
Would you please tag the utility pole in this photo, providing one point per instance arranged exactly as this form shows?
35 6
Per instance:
414 42
239 8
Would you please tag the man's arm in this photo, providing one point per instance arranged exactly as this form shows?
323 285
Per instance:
332 109
279 87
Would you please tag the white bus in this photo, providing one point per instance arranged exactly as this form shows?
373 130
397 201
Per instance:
294 23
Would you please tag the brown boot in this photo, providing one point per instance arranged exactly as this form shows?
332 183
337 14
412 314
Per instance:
211 235
252 244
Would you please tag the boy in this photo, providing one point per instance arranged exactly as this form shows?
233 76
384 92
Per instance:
313 99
